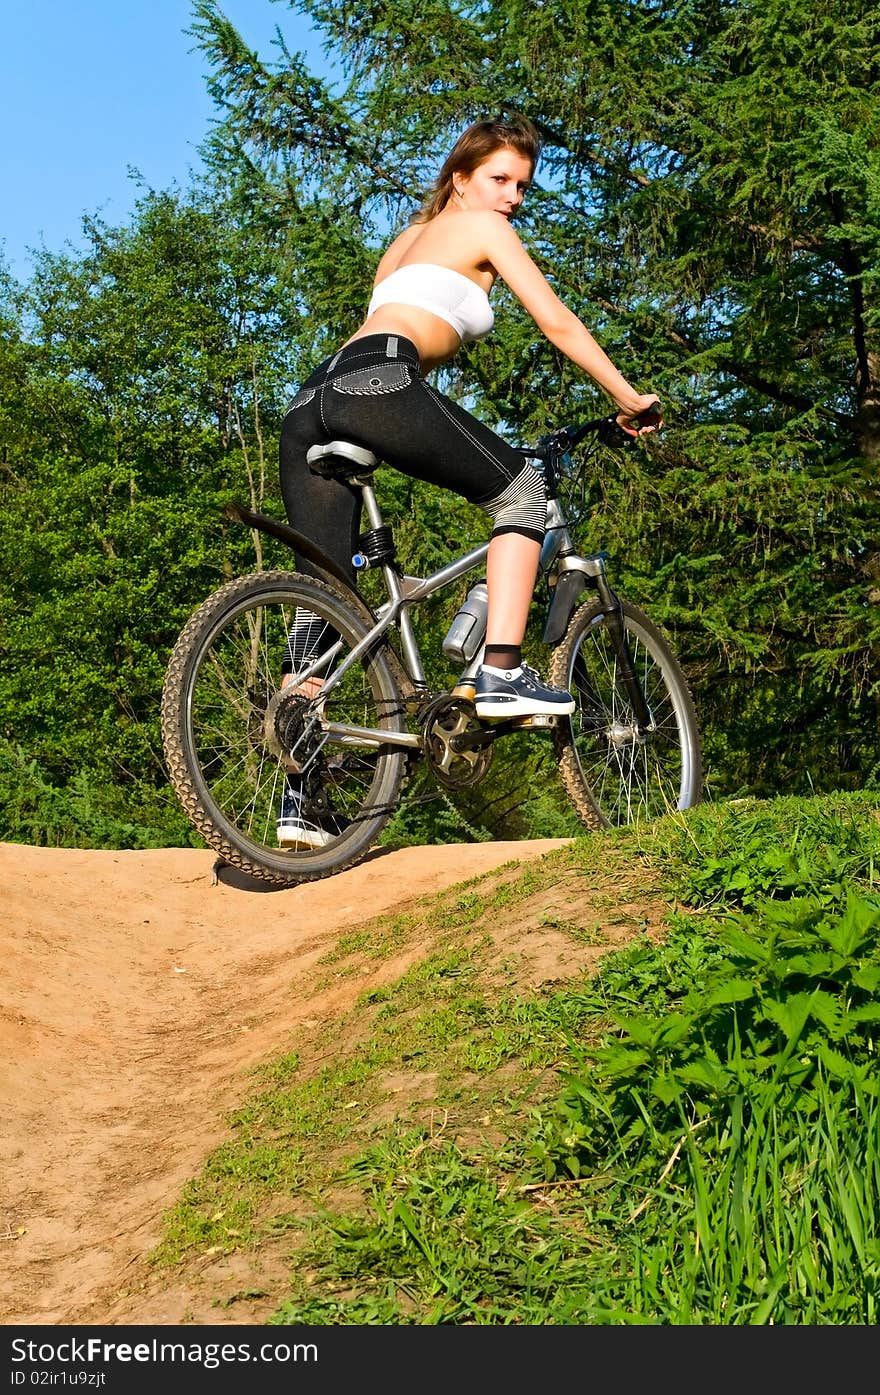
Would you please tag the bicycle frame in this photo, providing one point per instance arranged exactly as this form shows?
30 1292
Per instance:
406 591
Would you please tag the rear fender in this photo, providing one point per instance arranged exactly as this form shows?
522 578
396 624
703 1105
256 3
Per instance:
332 573
295 540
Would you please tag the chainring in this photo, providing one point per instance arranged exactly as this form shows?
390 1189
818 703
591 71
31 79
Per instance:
444 720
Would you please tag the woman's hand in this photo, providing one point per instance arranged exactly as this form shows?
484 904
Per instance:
647 416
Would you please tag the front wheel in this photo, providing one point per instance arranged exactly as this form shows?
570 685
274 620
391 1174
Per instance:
235 726
613 772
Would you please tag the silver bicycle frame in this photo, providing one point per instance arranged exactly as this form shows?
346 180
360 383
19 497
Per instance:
407 591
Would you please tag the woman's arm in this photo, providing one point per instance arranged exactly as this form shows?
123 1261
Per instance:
561 326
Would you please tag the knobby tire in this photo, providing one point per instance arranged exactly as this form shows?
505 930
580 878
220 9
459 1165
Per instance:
613 774
224 757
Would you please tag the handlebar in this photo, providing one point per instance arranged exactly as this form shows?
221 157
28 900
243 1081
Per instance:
554 450
607 429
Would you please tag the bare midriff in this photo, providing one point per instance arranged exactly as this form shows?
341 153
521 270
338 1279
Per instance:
435 340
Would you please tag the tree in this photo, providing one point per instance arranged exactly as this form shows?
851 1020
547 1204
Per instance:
145 384
709 202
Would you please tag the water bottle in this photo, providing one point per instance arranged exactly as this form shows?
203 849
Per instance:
468 629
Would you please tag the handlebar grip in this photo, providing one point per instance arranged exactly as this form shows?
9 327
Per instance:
649 417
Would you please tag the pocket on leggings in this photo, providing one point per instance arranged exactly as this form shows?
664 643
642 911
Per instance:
374 381
302 399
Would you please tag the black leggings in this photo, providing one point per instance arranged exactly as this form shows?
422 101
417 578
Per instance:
371 393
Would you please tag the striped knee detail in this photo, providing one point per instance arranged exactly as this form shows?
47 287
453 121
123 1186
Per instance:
522 506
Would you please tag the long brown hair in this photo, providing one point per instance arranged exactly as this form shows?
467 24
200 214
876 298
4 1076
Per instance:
474 146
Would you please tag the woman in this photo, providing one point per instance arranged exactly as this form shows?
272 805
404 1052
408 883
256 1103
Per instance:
431 294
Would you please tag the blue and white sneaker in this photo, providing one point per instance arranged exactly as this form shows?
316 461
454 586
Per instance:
297 829
518 692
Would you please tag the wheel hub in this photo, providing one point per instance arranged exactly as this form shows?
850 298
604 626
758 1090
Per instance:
286 724
620 735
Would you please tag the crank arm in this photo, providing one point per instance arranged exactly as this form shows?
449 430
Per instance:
476 740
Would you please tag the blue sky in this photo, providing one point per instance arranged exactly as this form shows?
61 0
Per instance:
88 90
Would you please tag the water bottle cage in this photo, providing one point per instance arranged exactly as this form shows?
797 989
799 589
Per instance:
376 549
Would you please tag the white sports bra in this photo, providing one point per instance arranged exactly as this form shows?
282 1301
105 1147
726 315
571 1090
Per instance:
449 294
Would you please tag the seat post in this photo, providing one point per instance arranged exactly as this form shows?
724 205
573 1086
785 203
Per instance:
394 584
371 503
353 464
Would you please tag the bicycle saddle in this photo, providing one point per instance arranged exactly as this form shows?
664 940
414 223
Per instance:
341 460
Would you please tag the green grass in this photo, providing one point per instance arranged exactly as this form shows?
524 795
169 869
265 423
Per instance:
687 1132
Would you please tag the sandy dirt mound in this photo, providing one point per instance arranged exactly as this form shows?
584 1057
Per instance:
138 991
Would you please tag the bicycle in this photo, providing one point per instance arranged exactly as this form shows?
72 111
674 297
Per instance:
232 732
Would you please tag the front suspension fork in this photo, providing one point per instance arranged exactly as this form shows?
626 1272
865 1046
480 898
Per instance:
620 644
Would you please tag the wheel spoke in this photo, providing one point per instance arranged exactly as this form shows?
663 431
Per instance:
236 721
615 773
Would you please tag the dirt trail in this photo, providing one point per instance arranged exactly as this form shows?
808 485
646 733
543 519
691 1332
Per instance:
137 993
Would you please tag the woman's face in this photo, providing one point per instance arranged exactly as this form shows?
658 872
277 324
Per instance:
499 183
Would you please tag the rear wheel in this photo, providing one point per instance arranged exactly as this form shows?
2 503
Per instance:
613 773
232 733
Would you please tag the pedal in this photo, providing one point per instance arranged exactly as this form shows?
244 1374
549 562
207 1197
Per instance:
464 690
537 719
